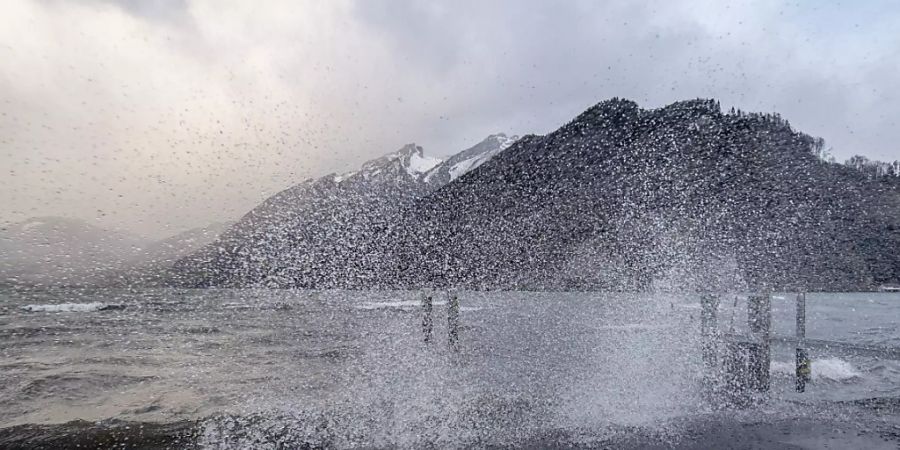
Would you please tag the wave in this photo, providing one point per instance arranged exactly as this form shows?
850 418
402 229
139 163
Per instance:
278 306
73 307
828 369
405 304
634 327
835 369
235 305
396 304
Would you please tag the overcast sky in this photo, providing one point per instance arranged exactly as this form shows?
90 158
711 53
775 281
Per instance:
157 116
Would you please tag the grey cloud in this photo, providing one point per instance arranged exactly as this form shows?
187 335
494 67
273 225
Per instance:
203 108
153 10
553 60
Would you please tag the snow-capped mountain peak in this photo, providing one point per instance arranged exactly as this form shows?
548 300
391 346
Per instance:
409 160
411 163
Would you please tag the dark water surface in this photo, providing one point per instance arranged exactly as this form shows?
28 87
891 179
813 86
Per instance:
288 369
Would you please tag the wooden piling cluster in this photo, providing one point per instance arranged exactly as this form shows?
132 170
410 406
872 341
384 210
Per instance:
747 359
737 366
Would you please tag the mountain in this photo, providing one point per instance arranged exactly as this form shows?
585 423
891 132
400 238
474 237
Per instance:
684 197
681 197
328 232
55 250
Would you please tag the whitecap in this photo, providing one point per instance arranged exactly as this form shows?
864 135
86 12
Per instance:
831 369
72 307
236 306
634 327
835 369
388 305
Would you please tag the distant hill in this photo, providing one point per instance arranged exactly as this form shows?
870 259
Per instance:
61 251
57 250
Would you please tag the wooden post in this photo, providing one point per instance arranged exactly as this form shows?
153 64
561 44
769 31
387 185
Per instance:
427 320
803 365
453 320
759 319
759 313
709 304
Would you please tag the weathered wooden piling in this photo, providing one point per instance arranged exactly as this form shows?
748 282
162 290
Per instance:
427 319
759 319
802 371
453 320
801 315
740 373
759 313
709 304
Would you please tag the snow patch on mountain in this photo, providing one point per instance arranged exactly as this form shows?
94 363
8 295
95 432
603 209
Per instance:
462 167
342 177
411 161
469 164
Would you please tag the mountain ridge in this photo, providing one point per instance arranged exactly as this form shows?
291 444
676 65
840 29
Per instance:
685 196
624 178
325 231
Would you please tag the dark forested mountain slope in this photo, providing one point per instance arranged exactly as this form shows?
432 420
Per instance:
622 198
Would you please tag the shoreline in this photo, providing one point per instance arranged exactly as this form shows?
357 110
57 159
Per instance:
717 431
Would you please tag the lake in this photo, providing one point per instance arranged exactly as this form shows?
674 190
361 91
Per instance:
166 368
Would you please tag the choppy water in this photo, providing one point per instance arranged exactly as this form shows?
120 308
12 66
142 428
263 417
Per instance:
284 369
